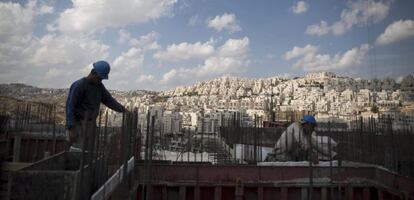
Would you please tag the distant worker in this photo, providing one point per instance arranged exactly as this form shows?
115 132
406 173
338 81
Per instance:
294 143
86 95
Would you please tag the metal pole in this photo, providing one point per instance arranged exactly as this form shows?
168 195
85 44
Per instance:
54 130
188 145
125 148
80 192
146 161
310 155
104 150
149 187
202 135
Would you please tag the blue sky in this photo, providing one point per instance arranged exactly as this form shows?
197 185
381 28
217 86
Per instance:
161 44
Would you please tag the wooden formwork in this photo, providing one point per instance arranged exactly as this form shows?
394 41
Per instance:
28 147
52 178
199 182
59 177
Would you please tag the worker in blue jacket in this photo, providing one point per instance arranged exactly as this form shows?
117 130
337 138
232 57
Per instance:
86 95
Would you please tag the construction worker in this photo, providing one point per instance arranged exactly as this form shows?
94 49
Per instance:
296 141
86 95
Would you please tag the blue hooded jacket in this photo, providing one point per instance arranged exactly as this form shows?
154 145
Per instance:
86 96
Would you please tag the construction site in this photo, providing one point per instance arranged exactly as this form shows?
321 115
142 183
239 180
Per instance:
372 161
206 100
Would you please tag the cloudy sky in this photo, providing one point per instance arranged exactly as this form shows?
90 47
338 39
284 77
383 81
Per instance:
160 44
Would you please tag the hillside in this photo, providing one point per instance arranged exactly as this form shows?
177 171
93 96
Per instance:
322 93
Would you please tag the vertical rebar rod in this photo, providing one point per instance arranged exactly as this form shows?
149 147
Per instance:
146 155
330 157
54 129
310 158
91 135
149 187
188 145
147 136
105 150
80 190
124 153
98 158
202 136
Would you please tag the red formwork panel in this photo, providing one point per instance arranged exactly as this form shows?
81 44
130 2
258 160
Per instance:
227 193
199 182
189 193
206 193
250 193
358 193
157 193
270 193
173 192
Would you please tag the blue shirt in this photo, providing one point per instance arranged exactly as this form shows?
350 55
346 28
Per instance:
86 96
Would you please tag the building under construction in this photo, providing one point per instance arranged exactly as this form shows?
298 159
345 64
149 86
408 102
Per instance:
372 162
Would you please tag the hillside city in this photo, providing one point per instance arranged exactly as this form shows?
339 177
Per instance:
207 105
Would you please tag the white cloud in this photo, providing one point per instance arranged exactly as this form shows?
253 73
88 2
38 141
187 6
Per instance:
397 31
129 61
358 13
230 58
64 58
171 76
185 51
299 51
51 27
54 72
235 48
56 59
300 7
50 59
308 58
318 29
145 78
16 21
224 22
64 50
128 68
45 9
16 41
220 65
88 15
124 36
147 42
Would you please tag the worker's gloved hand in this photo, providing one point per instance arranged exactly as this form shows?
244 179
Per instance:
129 110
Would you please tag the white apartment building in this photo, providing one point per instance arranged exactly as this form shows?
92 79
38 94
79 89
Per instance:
234 104
223 104
246 103
172 123
320 75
